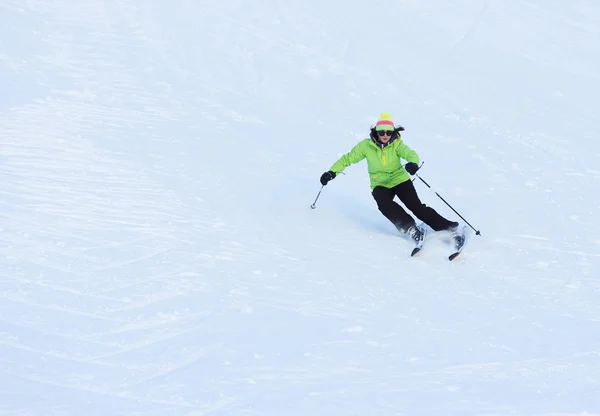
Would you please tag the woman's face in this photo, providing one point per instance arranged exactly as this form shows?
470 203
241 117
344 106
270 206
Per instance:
384 136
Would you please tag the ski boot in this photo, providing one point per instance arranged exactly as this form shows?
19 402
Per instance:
458 237
416 234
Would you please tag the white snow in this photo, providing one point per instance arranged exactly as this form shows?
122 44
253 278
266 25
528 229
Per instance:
159 255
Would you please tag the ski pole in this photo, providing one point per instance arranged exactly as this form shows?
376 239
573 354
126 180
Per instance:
476 231
313 206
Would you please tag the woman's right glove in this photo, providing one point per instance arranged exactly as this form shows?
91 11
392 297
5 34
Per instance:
326 177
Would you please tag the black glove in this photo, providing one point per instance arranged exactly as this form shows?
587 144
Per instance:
326 177
411 167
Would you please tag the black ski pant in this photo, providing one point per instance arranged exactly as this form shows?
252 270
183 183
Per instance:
407 193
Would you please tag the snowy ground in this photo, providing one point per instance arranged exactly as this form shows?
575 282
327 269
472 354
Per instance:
159 255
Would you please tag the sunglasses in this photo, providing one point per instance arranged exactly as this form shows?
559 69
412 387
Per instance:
382 133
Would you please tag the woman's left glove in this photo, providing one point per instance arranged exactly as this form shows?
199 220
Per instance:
411 167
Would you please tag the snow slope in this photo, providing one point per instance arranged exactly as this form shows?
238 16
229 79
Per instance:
159 255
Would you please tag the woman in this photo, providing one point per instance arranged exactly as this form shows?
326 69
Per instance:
388 178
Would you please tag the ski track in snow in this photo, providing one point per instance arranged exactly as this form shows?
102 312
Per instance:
122 295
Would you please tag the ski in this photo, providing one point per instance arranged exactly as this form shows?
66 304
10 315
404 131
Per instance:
454 255
416 250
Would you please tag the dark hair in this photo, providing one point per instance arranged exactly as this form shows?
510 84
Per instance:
395 132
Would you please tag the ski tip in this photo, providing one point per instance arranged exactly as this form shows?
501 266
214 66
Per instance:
453 256
415 251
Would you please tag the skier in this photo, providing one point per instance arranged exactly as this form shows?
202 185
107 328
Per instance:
384 150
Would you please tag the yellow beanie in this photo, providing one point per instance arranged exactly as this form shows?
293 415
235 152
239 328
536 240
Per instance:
385 122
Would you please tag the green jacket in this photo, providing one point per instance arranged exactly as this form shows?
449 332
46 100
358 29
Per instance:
383 161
